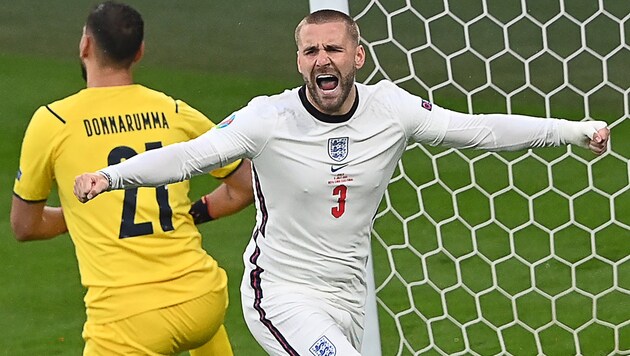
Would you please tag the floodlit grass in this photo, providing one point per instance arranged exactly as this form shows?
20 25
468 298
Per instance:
216 56
42 309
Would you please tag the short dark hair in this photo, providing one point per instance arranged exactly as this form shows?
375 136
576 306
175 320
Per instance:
325 16
118 31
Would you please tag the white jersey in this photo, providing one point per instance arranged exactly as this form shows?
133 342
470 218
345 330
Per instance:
319 179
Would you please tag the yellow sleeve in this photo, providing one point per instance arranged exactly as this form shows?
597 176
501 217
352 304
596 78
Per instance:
36 171
225 171
198 124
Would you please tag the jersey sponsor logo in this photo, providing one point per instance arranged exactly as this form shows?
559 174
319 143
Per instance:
334 168
323 347
427 105
338 148
18 174
226 121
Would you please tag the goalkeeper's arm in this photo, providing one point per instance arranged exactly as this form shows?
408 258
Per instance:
234 194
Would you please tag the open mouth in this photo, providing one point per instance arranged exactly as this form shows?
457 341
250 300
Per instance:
327 82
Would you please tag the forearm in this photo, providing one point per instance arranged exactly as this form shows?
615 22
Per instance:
36 221
173 163
52 223
169 164
234 194
225 201
499 132
217 204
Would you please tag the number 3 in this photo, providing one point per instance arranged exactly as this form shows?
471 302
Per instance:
338 210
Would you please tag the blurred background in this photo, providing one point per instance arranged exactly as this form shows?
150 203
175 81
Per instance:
217 55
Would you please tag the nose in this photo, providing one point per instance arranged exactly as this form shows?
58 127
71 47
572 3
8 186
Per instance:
322 59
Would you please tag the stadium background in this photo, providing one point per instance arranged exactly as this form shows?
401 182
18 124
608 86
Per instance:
215 55
212 54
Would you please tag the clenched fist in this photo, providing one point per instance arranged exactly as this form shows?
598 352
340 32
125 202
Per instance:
88 185
599 141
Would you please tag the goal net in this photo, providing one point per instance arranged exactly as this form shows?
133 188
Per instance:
520 253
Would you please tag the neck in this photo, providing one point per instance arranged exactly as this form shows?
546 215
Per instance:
323 116
349 103
345 107
109 77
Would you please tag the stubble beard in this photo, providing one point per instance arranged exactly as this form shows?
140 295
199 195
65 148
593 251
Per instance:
83 71
326 106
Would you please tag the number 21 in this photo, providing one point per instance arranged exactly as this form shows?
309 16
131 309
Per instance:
129 228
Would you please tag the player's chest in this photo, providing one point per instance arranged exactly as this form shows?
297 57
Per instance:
327 157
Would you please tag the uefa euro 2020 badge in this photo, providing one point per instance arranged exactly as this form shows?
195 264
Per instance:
226 121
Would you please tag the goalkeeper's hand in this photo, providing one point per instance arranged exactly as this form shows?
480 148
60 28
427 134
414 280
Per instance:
199 211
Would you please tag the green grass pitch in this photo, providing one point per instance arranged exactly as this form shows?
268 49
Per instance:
216 56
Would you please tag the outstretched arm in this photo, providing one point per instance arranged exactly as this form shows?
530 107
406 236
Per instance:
239 138
514 132
169 164
233 195
35 220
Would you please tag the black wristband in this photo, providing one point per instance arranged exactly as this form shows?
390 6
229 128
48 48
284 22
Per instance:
199 211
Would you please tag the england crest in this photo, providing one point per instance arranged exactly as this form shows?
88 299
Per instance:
323 347
338 148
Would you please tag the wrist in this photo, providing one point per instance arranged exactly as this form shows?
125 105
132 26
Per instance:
199 211
108 178
579 133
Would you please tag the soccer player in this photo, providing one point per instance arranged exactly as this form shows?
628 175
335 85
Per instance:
322 156
151 288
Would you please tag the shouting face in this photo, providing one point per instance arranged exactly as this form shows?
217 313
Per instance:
328 60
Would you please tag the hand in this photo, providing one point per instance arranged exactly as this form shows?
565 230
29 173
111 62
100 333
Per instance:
88 185
592 135
599 141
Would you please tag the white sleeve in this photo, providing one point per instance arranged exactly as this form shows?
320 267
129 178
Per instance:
238 136
499 132
169 164
430 124
502 132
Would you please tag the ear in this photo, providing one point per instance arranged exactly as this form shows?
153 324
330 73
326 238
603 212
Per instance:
140 53
359 57
85 44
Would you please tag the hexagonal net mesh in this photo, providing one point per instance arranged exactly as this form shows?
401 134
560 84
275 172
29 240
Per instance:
520 253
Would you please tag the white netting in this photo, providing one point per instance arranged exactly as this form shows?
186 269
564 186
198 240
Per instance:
519 253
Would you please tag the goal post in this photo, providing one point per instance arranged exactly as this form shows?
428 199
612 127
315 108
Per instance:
339 5
480 253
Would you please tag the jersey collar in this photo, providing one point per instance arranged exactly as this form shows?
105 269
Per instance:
331 119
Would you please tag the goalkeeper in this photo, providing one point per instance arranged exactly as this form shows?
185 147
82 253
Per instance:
322 156
151 288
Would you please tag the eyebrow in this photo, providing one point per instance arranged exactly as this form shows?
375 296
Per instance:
325 47
333 46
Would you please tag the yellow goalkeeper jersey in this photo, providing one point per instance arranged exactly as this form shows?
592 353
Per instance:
137 249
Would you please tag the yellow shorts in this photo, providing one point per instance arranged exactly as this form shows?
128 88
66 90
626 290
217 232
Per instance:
196 325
